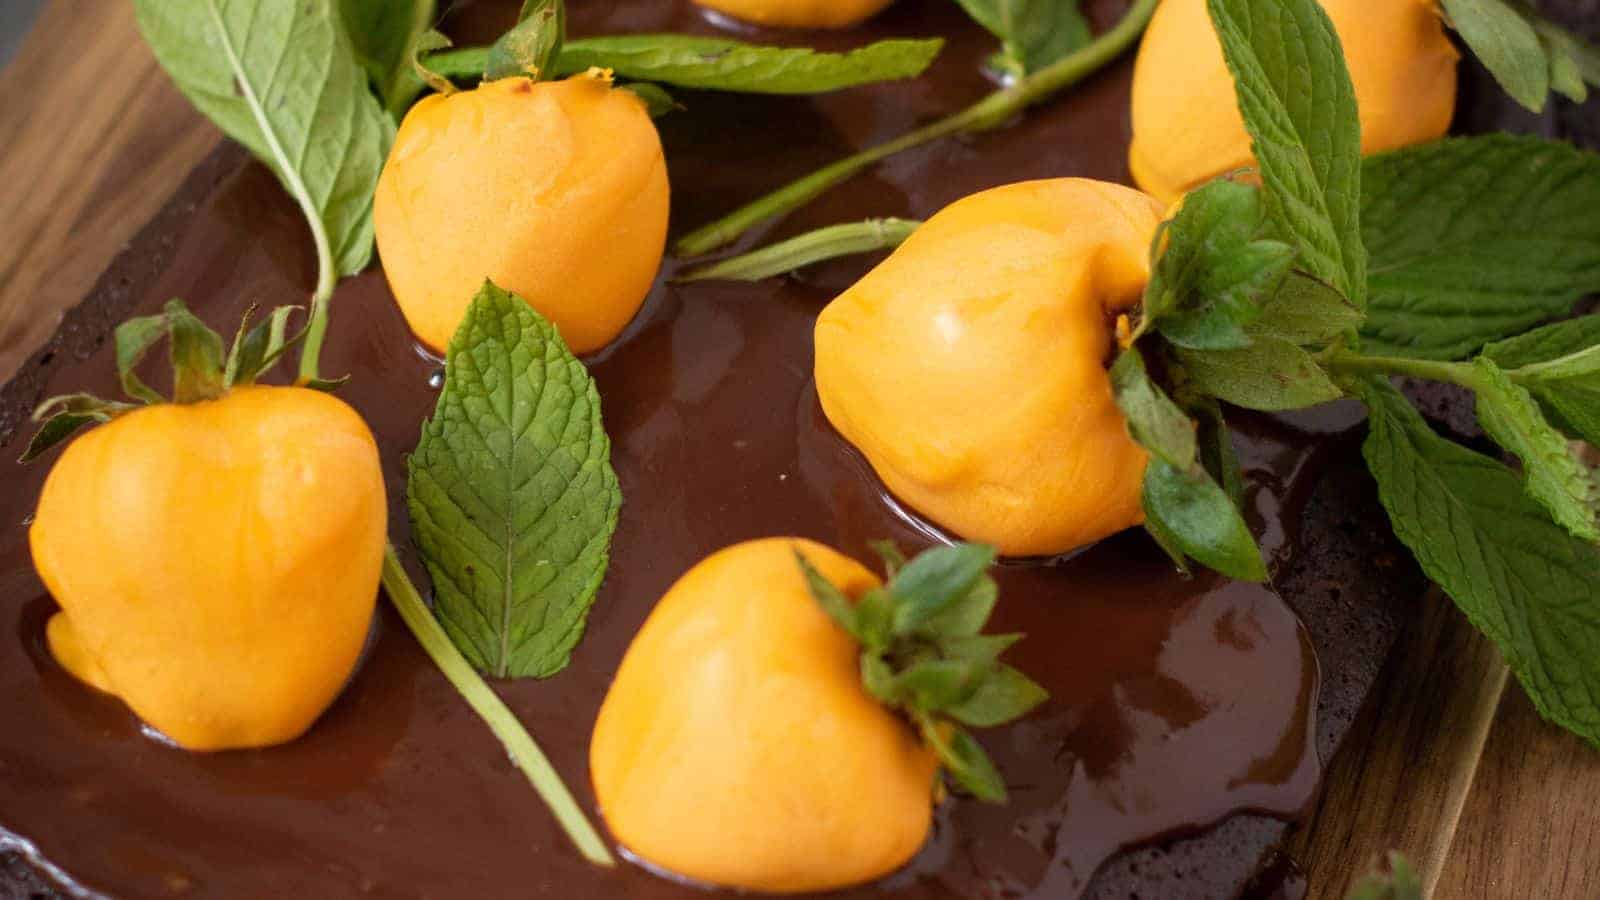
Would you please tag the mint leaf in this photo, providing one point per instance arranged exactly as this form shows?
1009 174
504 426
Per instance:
1190 514
382 33
513 500
532 44
1400 882
1574 64
969 766
1154 421
1300 108
1305 311
1209 281
1475 239
1270 374
283 80
1217 453
1521 579
1507 45
1556 478
812 247
936 580
719 64
1033 33
1572 405
999 697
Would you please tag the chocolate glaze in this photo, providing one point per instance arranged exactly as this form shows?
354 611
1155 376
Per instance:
1186 721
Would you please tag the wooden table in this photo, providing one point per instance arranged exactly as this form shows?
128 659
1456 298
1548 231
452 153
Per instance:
1450 765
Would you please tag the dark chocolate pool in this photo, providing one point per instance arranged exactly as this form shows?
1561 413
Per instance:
1188 719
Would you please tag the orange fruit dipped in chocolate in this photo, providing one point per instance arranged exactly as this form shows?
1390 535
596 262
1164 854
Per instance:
970 366
737 746
1186 123
216 562
556 191
799 13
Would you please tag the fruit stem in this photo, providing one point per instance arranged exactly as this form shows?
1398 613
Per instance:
990 112
317 323
518 743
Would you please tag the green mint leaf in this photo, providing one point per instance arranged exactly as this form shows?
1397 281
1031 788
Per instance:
1270 374
382 34
1300 108
1572 405
1476 239
937 579
967 615
977 648
1507 45
1154 421
719 64
531 46
1566 78
812 247
657 102
1305 311
1002 695
1399 882
1033 33
1574 64
1520 578
284 80
512 496
1209 281
1195 518
1556 478
197 359
829 597
1217 453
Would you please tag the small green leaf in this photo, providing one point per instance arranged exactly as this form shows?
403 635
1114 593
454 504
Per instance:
256 349
829 597
935 684
875 618
512 496
879 680
1305 311
1566 78
1270 375
1199 520
1002 695
971 768
134 338
1555 477
1400 882
1299 106
1573 404
197 360
984 649
1520 578
1155 422
1168 542
64 415
53 432
532 45
1476 239
1507 46
719 64
437 70
1217 453
1214 271
1033 33
893 559
657 102
936 580
967 615
809 248
382 33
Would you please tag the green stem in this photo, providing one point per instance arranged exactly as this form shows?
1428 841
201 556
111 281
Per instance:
524 752
317 325
1432 370
812 247
990 112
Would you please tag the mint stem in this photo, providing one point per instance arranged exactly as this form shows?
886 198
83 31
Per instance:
804 250
990 112
518 743
1432 370
317 325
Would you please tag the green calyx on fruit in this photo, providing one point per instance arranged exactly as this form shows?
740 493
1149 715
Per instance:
923 653
200 369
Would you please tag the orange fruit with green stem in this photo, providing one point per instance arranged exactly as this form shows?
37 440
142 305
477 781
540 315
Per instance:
216 558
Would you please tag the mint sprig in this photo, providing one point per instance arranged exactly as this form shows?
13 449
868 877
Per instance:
923 653
512 496
1527 54
1033 33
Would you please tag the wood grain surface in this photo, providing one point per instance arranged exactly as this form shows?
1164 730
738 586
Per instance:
1449 764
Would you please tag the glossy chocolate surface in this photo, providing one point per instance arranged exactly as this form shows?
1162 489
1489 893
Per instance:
1175 703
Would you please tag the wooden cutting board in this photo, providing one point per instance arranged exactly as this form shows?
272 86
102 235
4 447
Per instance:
1450 765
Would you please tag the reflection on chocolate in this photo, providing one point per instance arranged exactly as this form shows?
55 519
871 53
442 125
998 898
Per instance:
1176 703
